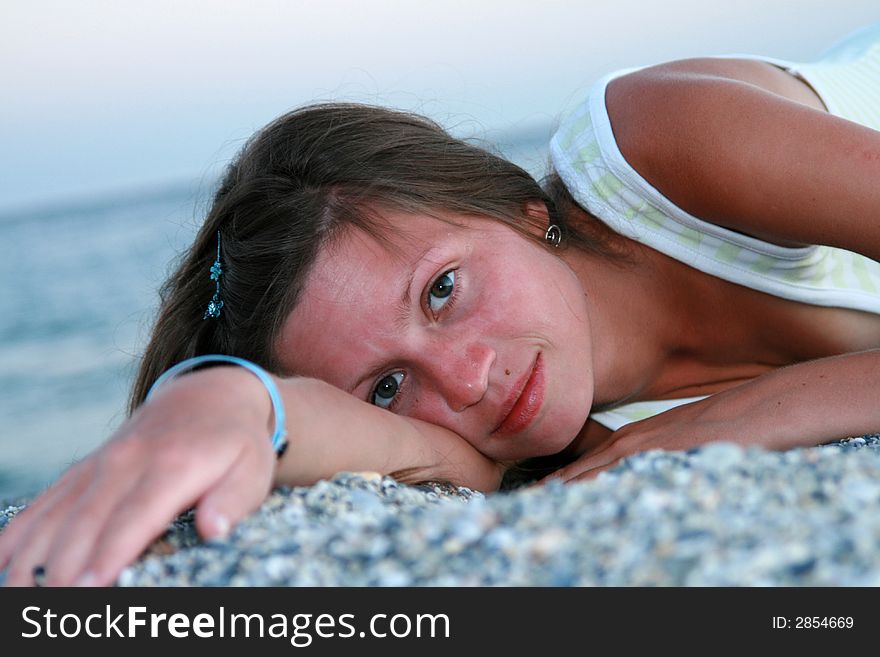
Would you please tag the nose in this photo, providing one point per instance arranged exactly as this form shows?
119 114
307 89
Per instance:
462 374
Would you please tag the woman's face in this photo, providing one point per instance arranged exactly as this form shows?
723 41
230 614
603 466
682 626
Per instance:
467 325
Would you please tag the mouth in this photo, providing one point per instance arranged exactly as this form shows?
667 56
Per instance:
525 401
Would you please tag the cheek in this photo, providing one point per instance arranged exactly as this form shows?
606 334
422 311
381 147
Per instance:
562 294
430 407
502 297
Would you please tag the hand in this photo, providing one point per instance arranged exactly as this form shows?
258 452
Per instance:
675 429
201 441
800 405
715 419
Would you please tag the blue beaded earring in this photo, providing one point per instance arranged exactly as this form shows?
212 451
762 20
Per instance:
216 302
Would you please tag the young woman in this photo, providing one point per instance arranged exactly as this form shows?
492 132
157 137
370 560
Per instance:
702 259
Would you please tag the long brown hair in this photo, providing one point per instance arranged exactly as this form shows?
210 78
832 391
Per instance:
292 188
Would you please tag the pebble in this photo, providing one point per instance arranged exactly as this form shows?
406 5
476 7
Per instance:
718 515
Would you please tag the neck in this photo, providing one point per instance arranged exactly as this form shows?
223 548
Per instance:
642 317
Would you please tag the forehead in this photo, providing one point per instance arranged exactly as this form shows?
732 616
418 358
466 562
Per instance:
399 242
354 289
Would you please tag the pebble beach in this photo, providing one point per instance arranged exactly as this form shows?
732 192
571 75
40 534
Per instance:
719 515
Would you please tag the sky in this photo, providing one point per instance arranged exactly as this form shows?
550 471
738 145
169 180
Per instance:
101 97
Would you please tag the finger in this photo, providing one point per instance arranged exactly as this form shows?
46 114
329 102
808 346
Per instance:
24 520
563 476
592 469
70 537
39 527
239 492
145 513
543 481
573 470
592 473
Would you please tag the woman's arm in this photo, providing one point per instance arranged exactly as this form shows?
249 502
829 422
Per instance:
330 431
738 144
797 406
732 143
203 441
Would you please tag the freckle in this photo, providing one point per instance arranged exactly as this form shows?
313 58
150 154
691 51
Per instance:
507 372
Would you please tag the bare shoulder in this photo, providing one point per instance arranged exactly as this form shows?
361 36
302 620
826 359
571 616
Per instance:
643 103
653 82
744 145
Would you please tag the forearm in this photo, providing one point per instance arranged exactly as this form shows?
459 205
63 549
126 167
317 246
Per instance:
808 403
330 431
798 406
202 442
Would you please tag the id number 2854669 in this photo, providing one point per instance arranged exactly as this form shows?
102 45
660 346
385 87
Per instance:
813 622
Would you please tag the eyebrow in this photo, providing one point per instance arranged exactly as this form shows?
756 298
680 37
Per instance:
402 314
403 309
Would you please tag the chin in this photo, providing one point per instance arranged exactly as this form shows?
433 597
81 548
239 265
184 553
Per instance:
559 443
566 432
520 448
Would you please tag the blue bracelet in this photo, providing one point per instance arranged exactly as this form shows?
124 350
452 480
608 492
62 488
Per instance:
279 438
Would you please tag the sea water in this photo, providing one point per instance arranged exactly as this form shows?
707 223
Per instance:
78 294
78 290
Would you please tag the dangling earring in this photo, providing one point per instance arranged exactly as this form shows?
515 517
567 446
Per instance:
553 235
216 303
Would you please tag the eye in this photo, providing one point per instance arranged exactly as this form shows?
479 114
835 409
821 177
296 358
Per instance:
441 289
385 391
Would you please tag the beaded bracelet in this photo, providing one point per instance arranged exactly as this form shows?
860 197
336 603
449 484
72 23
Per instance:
279 437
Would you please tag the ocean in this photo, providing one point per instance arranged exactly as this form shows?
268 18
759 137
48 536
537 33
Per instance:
79 289
77 299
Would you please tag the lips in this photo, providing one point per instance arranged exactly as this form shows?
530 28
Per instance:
524 402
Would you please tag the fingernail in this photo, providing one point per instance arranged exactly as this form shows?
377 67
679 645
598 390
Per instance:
220 525
39 574
88 578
